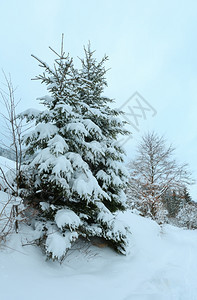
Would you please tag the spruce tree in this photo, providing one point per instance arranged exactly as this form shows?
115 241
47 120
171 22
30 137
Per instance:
106 165
186 196
172 202
74 174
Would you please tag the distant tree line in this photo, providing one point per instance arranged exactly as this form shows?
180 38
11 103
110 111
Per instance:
8 153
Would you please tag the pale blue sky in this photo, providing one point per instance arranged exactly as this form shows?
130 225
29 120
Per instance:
151 45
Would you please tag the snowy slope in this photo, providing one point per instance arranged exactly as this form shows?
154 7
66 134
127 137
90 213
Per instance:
6 163
6 201
162 264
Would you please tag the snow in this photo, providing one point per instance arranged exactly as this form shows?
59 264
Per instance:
58 144
44 206
77 161
42 131
86 185
8 168
103 175
66 217
30 113
46 99
92 127
161 266
5 208
45 130
95 147
57 245
64 107
77 128
61 164
6 164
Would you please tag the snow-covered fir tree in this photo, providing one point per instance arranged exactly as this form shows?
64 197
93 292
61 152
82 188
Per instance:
75 174
186 196
173 201
103 153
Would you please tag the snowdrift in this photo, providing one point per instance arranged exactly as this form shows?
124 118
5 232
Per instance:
161 265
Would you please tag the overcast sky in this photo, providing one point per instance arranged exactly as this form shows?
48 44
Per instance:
152 49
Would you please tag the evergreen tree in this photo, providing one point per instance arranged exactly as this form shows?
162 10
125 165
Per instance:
186 196
172 202
75 175
106 165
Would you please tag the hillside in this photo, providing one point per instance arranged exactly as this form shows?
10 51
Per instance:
161 265
6 163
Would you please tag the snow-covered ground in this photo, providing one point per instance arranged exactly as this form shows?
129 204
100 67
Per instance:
162 264
6 164
6 201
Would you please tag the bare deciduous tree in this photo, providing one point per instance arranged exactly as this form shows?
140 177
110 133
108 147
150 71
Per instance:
153 172
12 141
14 128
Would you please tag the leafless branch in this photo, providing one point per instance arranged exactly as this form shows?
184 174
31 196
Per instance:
154 171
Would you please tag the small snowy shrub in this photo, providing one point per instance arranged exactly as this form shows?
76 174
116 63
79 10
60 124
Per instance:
149 207
11 214
75 173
